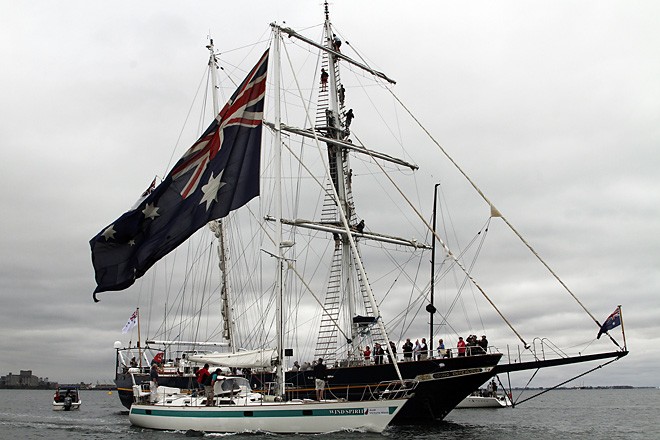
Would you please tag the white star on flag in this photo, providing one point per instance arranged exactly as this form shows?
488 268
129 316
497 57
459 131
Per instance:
211 189
109 233
150 211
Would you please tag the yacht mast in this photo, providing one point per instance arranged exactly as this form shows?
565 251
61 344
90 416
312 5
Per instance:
279 290
218 226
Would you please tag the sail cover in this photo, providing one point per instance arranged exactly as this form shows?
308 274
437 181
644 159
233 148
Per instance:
218 174
242 359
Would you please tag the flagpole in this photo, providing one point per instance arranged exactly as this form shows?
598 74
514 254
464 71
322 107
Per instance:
623 332
139 348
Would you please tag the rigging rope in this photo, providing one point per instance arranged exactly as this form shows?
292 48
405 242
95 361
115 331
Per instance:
565 382
495 210
465 280
449 252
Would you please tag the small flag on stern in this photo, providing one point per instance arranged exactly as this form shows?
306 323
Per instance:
614 320
218 174
132 322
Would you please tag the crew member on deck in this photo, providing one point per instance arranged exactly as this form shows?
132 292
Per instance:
393 350
483 343
424 350
461 346
201 374
378 354
320 375
441 348
367 355
407 350
153 382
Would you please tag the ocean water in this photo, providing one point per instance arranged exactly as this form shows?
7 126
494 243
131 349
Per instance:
558 415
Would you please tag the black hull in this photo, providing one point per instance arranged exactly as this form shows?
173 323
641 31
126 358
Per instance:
443 383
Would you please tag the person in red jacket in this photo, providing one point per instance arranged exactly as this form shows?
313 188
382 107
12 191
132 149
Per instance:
202 375
367 355
461 346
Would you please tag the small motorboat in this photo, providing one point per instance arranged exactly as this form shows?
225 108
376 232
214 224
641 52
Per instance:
66 398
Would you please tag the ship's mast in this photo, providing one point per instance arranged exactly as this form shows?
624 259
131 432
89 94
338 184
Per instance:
338 159
342 224
431 307
218 226
279 290
349 245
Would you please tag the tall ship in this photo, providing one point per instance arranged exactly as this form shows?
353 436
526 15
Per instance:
340 269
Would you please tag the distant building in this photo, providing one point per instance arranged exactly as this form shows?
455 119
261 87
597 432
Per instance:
24 380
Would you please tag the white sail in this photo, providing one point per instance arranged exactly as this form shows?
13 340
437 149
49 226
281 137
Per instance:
242 359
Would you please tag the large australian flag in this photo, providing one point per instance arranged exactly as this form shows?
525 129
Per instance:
218 174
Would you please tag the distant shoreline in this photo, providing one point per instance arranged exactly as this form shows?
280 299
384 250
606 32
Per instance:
52 387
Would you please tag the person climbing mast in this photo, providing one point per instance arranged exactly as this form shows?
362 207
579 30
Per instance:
336 43
349 117
324 79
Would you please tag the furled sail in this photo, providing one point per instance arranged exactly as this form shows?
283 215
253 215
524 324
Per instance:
243 359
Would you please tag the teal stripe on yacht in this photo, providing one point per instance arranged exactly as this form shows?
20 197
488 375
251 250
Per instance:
357 411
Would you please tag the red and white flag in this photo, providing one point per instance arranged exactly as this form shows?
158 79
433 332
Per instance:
132 322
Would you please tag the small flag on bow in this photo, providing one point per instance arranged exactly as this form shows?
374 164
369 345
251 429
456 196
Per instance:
614 320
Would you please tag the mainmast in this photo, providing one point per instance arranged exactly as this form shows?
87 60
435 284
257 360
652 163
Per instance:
338 161
348 286
218 226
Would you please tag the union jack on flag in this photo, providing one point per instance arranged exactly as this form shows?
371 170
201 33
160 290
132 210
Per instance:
146 193
218 174
612 321
244 108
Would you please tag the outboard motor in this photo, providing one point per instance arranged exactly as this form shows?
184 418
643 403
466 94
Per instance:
68 401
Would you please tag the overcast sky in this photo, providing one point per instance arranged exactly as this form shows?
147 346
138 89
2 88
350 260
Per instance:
551 106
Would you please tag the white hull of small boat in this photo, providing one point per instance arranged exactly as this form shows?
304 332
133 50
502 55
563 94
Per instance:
484 402
277 417
61 406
